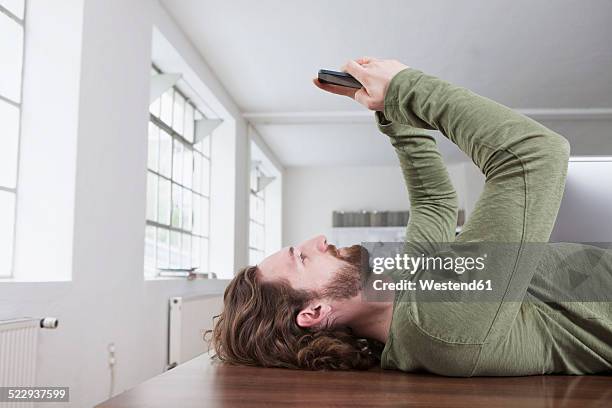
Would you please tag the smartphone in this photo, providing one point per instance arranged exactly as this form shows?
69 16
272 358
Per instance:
338 78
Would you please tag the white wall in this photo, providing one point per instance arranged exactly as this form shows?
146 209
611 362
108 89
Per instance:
589 137
99 195
310 194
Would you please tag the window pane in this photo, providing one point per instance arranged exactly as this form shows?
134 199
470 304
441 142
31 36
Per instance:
253 180
186 251
166 106
187 167
197 146
259 237
165 153
197 172
259 210
11 47
14 6
7 223
205 176
206 146
155 107
179 112
196 259
187 210
255 256
261 244
150 246
177 162
252 205
175 249
256 236
163 248
205 217
203 146
153 155
204 255
152 196
177 206
189 125
164 202
197 215
9 142
252 233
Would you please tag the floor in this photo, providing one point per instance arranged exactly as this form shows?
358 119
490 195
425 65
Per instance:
198 383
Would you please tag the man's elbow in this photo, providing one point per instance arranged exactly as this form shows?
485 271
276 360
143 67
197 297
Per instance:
558 147
446 200
555 153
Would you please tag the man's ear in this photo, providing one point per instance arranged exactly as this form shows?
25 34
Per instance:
313 314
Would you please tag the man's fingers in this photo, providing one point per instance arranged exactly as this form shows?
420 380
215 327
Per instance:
363 60
335 89
356 70
362 97
366 60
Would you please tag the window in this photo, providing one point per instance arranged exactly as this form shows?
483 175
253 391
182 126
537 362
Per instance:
12 14
178 188
257 222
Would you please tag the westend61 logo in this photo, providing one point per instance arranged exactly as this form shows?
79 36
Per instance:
487 271
412 264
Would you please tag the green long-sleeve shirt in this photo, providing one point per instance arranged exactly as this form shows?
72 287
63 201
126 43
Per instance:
532 329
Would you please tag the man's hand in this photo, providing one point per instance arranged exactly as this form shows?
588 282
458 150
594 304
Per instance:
375 76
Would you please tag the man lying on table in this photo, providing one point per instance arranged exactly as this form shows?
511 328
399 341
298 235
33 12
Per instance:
304 306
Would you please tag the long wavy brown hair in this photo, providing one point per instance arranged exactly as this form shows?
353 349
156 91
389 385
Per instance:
258 328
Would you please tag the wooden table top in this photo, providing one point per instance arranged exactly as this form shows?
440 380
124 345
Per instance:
198 383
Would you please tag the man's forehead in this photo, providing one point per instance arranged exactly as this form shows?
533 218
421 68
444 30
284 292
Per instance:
268 261
274 265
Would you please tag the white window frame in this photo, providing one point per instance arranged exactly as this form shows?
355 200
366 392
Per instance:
256 252
17 104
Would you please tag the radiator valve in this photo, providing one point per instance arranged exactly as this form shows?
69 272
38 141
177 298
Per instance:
49 323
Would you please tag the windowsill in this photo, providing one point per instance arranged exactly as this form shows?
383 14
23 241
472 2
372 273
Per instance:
15 279
215 287
155 276
169 278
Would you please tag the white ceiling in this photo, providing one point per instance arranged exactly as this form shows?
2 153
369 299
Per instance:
337 144
548 54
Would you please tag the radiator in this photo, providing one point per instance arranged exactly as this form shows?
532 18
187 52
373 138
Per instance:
18 344
189 318
18 348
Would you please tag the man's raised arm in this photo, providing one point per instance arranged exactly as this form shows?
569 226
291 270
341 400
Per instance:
433 200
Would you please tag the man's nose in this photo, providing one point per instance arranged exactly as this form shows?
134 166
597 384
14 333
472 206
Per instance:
318 243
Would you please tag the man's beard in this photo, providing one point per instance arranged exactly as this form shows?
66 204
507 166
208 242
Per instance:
347 282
